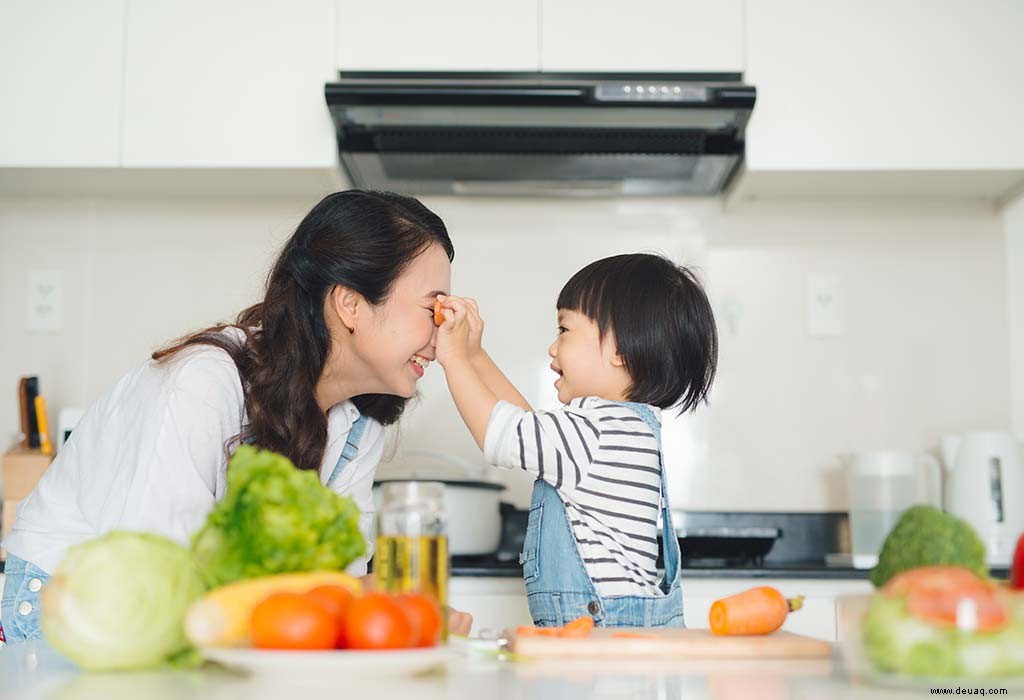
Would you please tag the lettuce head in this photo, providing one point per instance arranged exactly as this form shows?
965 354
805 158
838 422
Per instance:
275 518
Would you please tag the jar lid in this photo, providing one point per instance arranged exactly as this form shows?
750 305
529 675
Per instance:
412 494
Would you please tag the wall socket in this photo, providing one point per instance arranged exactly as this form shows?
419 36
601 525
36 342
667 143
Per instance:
45 299
824 307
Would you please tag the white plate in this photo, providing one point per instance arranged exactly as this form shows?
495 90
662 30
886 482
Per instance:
344 662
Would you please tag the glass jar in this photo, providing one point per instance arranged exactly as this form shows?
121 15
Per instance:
412 541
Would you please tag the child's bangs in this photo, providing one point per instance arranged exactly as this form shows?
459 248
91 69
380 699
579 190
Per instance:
588 293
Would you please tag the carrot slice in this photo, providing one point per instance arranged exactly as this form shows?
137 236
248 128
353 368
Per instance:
580 627
760 610
531 631
438 315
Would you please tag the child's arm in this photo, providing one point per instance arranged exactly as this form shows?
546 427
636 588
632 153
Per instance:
474 399
489 373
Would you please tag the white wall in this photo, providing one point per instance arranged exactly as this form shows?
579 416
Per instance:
1013 217
924 349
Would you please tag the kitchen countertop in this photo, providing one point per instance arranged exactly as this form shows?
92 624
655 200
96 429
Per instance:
797 570
34 671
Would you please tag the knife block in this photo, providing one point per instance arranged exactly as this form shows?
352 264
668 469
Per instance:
22 469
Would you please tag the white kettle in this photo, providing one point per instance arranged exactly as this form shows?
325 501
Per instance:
985 487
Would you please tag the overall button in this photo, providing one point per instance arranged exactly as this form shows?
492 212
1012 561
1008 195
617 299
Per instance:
24 607
34 585
593 608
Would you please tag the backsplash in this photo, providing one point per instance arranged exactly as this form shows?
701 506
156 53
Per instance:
923 348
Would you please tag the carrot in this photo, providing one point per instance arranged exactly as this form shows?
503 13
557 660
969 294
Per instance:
438 316
760 610
580 627
577 629
531 631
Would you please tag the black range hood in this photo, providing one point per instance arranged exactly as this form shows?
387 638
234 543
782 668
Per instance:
540 133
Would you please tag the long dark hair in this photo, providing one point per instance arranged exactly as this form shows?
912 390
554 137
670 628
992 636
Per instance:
359 239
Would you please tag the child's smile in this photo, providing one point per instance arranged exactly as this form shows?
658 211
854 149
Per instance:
586 364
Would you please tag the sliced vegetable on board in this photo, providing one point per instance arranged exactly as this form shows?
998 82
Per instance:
760 610
579 628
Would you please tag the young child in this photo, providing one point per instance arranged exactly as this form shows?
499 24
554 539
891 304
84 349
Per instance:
635 335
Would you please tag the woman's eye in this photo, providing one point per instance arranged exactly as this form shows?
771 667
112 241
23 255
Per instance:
562 329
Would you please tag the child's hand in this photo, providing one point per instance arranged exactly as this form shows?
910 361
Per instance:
453 336
476 328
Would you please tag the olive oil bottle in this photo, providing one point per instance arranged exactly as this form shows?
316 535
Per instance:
411 553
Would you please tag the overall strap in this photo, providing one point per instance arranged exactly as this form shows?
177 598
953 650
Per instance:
670 543
350 450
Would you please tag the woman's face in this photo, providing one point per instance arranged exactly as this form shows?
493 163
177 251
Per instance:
397 342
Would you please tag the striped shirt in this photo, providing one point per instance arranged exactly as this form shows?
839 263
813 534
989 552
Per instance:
603 459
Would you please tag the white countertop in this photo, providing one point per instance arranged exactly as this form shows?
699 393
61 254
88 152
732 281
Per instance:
34 670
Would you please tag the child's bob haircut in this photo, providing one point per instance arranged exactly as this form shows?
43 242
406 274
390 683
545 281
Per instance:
662 322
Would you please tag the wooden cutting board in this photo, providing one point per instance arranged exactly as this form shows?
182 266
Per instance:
679 643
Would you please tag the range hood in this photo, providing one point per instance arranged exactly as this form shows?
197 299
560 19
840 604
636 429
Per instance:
540 133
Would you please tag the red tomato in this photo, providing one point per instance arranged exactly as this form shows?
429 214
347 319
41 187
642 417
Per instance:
378 621
426 616
292 621
336 600
936 594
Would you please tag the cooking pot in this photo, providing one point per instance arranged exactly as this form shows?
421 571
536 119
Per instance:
471 504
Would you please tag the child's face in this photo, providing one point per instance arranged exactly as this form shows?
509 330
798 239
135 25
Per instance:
586 365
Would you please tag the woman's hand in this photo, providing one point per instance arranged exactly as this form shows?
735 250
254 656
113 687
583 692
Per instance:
459 622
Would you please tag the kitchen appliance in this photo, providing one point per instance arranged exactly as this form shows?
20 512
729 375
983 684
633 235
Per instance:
985 487
880 486
470 501
541 134
725 546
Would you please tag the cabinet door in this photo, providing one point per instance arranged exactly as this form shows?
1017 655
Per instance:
450 35
644 35
60 75
228 84
885 85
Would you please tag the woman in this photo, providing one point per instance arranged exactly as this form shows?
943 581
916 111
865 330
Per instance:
330 356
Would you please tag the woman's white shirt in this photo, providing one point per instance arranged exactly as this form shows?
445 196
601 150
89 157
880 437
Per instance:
150 455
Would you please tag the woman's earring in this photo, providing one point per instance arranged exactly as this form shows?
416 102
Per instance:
351 330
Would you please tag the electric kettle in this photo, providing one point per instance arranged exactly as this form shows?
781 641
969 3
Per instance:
985 487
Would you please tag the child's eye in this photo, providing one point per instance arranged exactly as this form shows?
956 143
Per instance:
562 329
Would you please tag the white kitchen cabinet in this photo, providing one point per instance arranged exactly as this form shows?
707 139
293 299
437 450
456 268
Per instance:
231 84
886 86
496 603
60 75
450 35
499 603
643 35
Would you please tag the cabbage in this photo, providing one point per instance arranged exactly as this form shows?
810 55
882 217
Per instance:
275 519
118 602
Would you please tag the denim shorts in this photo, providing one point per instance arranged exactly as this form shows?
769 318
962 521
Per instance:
19 608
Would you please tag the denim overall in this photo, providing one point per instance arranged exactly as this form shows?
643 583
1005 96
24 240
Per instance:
19 611
558 587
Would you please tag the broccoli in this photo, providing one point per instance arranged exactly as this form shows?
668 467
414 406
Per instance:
926 536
